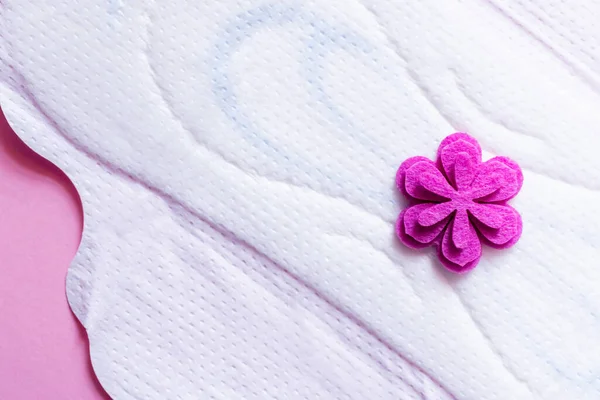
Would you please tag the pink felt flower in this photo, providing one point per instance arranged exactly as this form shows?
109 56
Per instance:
459 202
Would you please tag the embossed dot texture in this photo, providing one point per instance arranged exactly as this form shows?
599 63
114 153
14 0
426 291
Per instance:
236 163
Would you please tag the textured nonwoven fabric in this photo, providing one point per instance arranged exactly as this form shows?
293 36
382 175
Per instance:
236 161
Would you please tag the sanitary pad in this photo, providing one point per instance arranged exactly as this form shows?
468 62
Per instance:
236 162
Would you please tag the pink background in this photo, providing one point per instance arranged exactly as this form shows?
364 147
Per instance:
43 349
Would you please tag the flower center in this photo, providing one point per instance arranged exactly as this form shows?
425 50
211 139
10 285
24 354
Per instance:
462 200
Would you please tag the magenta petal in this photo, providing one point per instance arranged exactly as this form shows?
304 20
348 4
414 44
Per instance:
424 181
498 179
500 225
463 171
461 230
448 153
459 269
448 140
470 251
404 237
435 214
487 215
413 234
401 173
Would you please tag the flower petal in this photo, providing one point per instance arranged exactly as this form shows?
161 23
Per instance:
435 214
401 173
448 152
412 233
448 140
487 214
424 181
461 232
471 243
498 179
464 172
499 225
459 269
